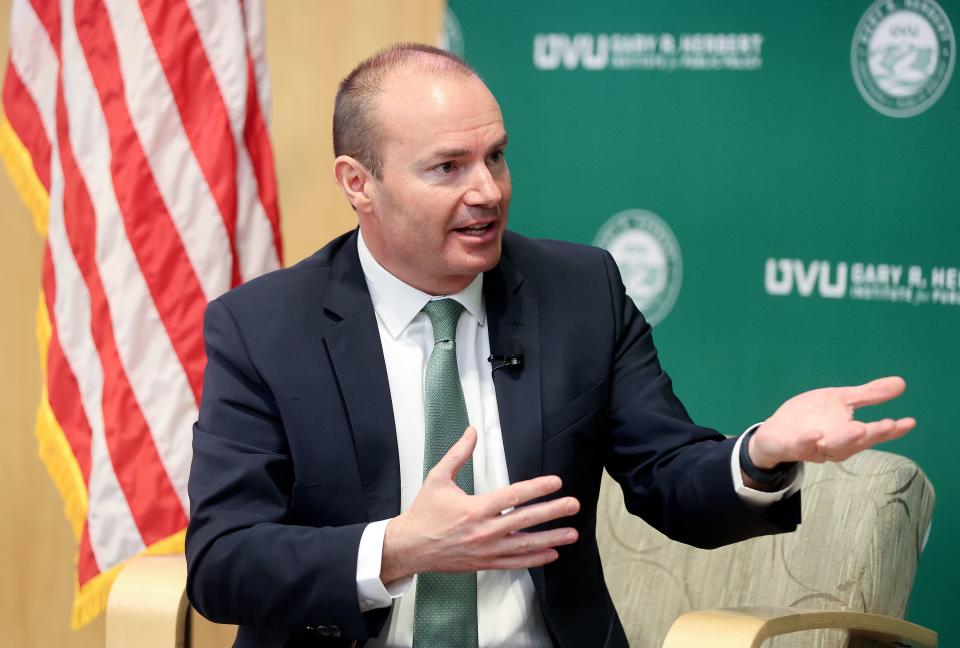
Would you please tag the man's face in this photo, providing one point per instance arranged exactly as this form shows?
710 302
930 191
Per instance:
438 215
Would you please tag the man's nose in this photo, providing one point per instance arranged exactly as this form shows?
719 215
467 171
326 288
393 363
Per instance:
483 190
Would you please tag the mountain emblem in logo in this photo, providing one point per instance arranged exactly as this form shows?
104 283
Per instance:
648 256
902 56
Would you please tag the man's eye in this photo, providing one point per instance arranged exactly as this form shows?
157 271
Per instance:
446 167
497 157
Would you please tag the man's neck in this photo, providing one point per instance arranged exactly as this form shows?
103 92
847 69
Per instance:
433 286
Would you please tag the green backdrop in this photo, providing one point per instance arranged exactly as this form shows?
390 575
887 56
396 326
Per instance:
786 186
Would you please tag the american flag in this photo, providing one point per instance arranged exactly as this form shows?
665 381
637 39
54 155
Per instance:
136 133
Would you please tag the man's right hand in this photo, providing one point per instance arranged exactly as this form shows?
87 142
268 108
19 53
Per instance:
446 530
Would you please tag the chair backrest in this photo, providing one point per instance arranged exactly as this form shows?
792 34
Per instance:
864 524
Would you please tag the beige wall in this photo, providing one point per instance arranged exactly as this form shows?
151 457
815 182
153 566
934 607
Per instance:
311 45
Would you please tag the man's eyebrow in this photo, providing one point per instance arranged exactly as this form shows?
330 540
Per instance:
445 154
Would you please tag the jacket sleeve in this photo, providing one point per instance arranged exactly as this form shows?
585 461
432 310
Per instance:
246 564
674 474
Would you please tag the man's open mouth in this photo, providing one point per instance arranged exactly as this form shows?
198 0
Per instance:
475 230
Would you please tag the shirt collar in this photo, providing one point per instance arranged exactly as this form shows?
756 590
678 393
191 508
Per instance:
397 303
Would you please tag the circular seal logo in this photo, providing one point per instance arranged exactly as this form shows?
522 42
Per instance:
451 36
902 56
648 255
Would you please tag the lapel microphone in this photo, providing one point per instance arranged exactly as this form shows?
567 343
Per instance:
513 357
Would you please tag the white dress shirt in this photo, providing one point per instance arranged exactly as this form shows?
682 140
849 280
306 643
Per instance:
508 613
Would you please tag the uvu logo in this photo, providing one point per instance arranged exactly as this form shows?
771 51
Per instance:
782 275
586 50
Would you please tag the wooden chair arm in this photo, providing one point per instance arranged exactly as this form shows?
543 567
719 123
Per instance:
749 627
148 604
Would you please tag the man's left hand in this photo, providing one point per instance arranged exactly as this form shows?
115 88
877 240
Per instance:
819 426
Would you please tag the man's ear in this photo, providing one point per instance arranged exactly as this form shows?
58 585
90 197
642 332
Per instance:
354 179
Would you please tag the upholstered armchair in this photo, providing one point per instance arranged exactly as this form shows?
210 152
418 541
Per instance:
843 579
864 525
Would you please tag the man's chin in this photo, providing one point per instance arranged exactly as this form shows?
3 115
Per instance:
478 261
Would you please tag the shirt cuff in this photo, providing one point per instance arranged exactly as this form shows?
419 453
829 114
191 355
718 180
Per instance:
758 497
371 592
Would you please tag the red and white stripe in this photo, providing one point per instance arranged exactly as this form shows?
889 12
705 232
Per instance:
145 123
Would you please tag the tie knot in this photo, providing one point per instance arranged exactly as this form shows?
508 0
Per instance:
444 315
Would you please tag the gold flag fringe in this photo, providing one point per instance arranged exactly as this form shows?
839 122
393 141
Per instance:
20 169
55 451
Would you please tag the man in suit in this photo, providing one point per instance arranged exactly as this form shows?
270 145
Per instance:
335 496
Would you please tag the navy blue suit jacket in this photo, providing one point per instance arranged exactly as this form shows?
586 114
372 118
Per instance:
295 448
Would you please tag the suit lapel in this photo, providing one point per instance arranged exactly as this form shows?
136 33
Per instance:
353 343
512 316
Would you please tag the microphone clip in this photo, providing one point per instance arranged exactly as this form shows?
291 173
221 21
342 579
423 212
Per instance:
505 361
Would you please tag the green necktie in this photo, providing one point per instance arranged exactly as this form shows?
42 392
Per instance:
446 609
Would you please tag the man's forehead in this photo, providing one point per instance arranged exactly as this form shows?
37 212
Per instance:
412 94
417 105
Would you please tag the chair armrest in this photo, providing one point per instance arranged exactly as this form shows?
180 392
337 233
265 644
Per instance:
148 604
749 627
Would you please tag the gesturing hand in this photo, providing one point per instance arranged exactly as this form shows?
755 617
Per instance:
819 426
446 530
